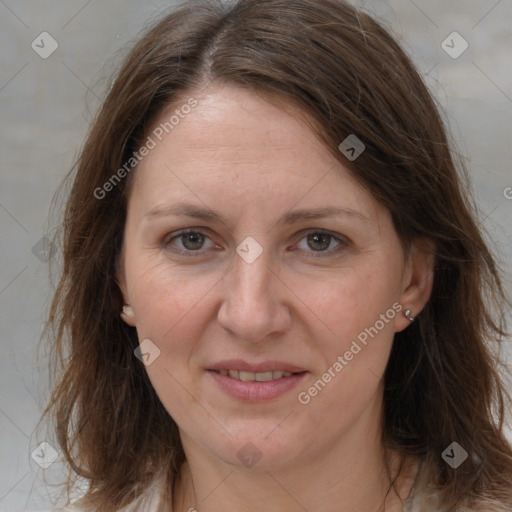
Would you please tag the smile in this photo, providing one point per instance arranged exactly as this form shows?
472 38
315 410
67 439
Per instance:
255 386
255 377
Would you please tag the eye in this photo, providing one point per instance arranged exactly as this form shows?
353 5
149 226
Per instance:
187 241
190 241
322 242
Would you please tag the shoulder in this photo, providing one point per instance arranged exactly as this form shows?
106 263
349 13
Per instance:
427 497
78 506
430 502
74 507
149 501
483 506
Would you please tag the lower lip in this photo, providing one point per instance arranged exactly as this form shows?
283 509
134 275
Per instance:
255 391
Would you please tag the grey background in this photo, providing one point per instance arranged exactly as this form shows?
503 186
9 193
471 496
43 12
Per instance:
45 107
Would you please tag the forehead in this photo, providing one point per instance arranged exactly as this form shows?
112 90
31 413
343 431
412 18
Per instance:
230 120
235 143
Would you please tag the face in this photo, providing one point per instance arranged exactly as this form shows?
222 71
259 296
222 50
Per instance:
270 282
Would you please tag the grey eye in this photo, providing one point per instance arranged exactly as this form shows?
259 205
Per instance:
192 241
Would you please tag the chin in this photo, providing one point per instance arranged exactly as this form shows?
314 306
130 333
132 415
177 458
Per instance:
252 449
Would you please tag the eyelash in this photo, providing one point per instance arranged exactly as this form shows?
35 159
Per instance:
342 243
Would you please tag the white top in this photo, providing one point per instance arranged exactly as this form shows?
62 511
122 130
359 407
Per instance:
149 502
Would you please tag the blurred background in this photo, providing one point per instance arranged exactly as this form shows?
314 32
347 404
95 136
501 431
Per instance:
55 58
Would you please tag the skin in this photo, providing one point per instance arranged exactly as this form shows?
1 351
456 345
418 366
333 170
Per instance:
252 162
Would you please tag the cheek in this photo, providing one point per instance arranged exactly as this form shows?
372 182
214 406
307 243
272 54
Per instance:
352 302
355 314
172 311
165 297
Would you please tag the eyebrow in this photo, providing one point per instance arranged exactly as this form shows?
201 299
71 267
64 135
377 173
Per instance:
292 217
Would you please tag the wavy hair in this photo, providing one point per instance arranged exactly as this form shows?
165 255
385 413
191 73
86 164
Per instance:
349 75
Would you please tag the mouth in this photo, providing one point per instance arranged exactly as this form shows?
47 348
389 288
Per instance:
256 386
245 376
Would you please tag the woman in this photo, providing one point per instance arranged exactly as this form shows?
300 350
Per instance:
275 295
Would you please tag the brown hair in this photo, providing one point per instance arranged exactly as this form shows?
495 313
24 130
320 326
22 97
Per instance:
349 75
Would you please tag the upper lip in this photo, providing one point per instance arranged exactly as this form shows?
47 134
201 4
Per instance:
264 366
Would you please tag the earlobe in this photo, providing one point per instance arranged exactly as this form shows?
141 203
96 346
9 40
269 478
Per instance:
128 315
408 315
418 283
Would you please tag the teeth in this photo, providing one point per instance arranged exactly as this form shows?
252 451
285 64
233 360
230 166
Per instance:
263 377
246 376
258 377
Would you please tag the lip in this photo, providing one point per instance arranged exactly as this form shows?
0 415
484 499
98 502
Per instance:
255 391
264 366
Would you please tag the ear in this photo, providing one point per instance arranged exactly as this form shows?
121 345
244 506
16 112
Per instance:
127 313
418 280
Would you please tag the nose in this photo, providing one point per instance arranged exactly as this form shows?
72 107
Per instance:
255 302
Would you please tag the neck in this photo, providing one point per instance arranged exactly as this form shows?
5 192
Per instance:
353 473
